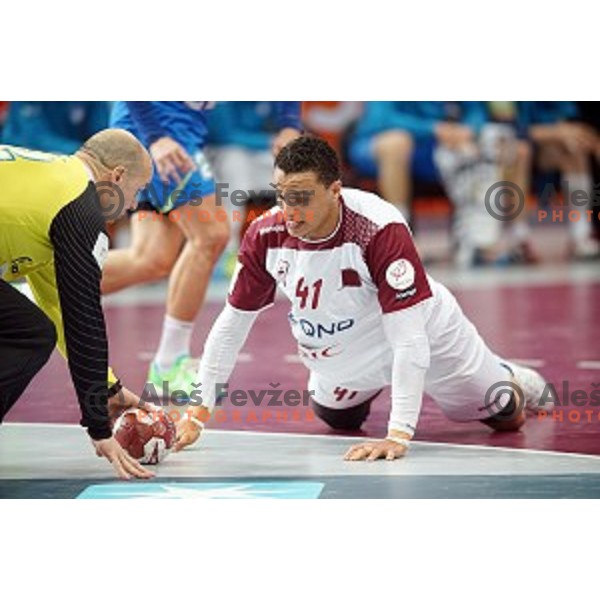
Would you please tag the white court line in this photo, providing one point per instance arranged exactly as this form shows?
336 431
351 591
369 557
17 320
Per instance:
64 425
528 362
417 443
292 358
589 364
342 437
243 357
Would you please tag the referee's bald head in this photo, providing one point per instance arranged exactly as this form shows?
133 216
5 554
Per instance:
118 148
117 159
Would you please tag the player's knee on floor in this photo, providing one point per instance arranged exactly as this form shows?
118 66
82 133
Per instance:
344 419
510 418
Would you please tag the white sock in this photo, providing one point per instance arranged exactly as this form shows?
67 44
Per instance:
581 229
174 342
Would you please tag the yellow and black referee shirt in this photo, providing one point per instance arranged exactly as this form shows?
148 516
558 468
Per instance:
52 232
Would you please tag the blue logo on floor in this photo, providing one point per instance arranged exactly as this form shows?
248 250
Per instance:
242 490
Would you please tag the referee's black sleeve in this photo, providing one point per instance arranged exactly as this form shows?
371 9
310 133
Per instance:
80 243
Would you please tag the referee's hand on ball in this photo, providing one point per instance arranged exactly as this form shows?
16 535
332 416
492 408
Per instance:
370 451
125 466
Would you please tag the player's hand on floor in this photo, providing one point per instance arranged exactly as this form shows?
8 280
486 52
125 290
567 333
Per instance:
171 159
374 450
125 466
188 433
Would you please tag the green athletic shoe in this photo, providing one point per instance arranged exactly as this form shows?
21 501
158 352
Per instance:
180 377
231 258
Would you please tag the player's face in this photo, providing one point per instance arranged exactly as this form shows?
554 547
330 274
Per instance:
131 188
130 185
311 209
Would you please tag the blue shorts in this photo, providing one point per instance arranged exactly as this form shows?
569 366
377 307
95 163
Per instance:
197 184
164 197
361 153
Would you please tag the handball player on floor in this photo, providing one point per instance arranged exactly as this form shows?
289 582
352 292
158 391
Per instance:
364 312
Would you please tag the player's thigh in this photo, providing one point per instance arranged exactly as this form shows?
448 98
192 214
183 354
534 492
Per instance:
465 375
552 156
395 144
204 223
339 406
27 335
155 239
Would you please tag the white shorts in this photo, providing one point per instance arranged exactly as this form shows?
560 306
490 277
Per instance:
465 377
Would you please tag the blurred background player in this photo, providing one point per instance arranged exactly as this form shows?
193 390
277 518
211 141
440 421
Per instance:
178 230
243 137
59 127
52 233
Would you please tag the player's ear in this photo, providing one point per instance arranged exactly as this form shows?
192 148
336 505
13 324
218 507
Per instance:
336 187
118 173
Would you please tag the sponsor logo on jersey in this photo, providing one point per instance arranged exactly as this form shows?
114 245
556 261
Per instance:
406 294
18 263
400 275
321 330
100 250
282 270
271 229
319 353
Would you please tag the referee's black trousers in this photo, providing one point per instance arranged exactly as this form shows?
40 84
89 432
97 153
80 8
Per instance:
27 338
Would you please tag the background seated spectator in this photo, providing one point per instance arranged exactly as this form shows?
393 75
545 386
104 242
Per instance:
565 144
450 142
394 142
59 127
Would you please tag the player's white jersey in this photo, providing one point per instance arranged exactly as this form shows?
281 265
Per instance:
338 287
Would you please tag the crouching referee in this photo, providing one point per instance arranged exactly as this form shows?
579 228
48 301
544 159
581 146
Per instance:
53 211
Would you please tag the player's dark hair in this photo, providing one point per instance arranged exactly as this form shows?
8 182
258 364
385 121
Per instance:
310 153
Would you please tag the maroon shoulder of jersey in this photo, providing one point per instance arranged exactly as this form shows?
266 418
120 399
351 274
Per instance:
253 287
396 268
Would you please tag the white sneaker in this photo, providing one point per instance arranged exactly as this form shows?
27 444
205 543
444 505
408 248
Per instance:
537 396
586 248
